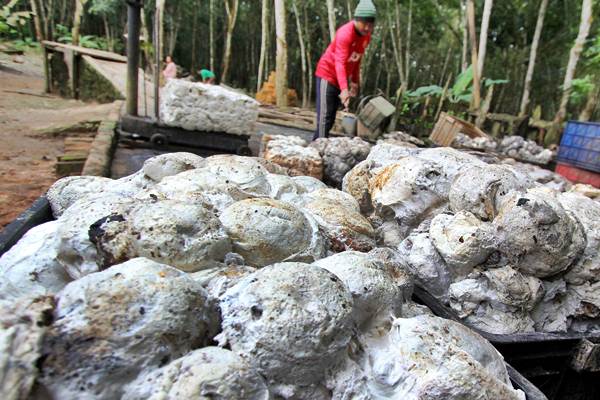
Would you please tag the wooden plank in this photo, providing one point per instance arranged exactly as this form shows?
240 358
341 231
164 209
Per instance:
532 392
101 54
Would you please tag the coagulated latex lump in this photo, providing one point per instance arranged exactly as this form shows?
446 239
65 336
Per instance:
536 235
112 325
424 357
291 322
208 373
377 296
187 236
266 231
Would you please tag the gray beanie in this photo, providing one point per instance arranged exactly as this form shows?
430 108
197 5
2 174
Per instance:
365 9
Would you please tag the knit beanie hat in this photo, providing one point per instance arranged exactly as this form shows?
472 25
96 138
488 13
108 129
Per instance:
365 9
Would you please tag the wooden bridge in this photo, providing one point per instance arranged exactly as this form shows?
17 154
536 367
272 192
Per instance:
92 75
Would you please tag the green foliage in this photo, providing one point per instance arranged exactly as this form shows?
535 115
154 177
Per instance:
105 7
11 21
24 44
424 91
581 88
89 41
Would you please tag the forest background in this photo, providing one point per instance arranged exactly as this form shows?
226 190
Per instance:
533 57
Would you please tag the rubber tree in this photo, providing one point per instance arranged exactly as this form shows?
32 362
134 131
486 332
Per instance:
211 33
302 55
483 35
474 56
231 8
532 57
36 9
79 8
281 86
331 18
263 43
584 30
159 26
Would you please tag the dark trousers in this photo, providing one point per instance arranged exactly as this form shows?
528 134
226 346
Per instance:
328 102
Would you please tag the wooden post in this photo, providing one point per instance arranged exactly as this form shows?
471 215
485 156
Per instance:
474 56
47 74
485 107
443 98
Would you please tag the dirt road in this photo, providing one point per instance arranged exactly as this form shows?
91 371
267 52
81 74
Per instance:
27 152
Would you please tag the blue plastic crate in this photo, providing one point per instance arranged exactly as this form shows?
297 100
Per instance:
580 145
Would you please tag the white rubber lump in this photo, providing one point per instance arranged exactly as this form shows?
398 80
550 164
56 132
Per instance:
377 294
111 326
76 253
23 324
211 108
66 191
405 194
526 150
291 322
424 357
208 373
338 216
482 189
340 155
293 154
186 236
30 267
266 231
497 300
462 240
536 235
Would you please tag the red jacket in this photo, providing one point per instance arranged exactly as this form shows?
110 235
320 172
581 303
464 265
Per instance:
342 58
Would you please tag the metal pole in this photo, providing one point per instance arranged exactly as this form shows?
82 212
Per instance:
133 54
157 57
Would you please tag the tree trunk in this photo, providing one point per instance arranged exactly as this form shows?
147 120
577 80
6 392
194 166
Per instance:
302 56
194 29
532 57
309 75
211 33
231 10
174 31
584 30
109 39
146 49
446 61
349 8
79 5
464 64
39 33
331 18
48 18
159 16
485 24
591 105
397 45
474 61
281 61
408 39
263 43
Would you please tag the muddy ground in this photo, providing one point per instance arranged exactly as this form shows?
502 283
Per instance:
29 120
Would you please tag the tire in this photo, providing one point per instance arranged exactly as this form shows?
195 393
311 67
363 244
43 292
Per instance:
244 151
159 140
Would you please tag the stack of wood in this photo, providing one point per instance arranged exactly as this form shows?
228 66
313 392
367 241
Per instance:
294 117
72 160
268 95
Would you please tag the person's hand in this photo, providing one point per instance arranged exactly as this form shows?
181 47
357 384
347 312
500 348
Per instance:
353 89
345 97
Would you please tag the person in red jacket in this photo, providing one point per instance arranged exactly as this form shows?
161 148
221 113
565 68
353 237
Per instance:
338 70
